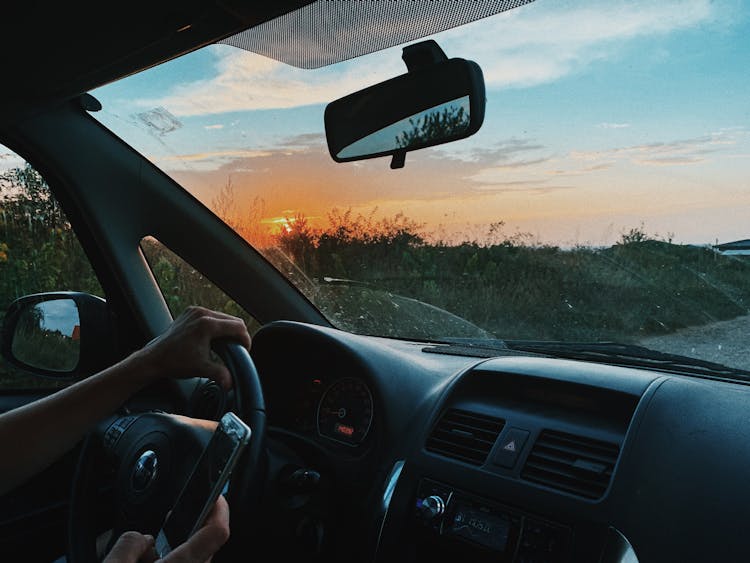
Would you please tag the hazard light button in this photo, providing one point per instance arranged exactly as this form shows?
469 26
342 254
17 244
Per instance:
510 447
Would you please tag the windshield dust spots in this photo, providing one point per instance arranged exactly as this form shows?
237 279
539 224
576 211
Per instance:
158 121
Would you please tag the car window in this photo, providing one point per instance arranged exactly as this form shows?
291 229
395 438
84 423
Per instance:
38 250
183 286
592 206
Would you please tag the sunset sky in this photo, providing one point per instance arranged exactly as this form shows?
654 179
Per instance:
600 116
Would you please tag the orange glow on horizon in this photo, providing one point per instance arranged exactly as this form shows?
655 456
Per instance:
279 224
448 202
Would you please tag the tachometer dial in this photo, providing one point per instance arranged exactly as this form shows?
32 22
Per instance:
345 411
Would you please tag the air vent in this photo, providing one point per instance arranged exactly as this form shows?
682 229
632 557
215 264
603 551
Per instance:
464 435
570 463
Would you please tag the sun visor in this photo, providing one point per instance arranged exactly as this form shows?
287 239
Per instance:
331 31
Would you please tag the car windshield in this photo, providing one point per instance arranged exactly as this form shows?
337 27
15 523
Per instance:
604 199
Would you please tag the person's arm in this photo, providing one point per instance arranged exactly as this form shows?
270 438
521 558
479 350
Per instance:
40 432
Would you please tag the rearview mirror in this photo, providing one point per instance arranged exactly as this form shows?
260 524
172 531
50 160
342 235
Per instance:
59 335
438 101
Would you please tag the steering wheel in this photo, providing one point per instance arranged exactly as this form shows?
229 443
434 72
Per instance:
140 461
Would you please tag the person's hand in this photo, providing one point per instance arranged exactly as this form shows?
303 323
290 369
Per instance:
134 547
184 349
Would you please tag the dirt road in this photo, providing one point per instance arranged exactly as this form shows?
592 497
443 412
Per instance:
724 342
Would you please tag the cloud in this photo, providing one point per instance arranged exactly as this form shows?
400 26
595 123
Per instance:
535 44
245 81
671 160
532 187
512 184
317 140
547 40
614 125
213 155
515 165
239 160
679 152
511 165
500 153
210 160
215 126
580 171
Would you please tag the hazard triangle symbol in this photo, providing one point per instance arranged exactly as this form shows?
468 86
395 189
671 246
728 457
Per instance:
510 446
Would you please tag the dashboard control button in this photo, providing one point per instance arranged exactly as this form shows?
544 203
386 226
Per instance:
301 481
431 507
511 444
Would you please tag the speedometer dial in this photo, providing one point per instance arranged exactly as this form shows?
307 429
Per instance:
345 411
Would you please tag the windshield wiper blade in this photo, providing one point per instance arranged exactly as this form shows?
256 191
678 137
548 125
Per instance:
628 355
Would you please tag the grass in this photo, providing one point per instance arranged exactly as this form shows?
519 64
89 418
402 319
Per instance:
623 293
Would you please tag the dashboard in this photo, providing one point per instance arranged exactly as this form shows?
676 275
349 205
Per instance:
338 409
427 456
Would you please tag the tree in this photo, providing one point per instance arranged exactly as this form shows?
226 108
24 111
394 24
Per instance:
26 198
434 126
38 248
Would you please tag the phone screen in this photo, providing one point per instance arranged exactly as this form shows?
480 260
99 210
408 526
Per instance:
207 481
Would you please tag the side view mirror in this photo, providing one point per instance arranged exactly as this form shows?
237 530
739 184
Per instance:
59 335
438 101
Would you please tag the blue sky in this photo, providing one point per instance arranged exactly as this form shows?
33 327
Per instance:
600 116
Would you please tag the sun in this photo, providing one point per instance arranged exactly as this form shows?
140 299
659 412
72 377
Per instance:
280 224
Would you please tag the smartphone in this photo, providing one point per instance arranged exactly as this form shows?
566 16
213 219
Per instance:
206 482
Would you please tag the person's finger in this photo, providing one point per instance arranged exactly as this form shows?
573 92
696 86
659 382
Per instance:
130 548
218 314
202 545
232 328
184 349
219 373
198 311
219 514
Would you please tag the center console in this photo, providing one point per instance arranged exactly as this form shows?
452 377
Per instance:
448 518
517 466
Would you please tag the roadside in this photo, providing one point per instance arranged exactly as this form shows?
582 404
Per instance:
723 342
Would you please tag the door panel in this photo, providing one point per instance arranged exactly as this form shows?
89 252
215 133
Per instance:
33 517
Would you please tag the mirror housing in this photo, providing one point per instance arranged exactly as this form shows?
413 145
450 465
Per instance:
438 101
60 335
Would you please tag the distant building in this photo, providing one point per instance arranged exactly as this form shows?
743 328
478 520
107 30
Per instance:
735 248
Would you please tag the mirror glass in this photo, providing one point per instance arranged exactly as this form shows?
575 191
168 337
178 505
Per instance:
431 104
47 335
429 127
